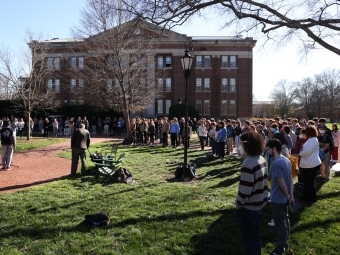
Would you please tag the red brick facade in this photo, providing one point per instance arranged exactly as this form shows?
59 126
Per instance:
234 100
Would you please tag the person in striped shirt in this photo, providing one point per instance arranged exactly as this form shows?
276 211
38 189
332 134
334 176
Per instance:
252 193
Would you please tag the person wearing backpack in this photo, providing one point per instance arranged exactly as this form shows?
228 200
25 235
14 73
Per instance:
324 143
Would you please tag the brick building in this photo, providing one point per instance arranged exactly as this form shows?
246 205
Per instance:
220 83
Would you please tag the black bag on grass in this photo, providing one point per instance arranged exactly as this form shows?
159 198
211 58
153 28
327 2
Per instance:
123 175
190 173
97 219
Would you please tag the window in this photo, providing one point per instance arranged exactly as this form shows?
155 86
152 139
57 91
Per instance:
232 85
199 106
57 85
80 102
73 63
53 63
73 102
116 82
53 85
198 84
224 107
49 83
159 106
206 106
109 83
224 84
57 102
224 61
198 61
168 61
167 106
232 107
81 62
49 63
73 84
109 63
57 63
160 84
206 84
206 61
168 84
80 83
232 61
160 61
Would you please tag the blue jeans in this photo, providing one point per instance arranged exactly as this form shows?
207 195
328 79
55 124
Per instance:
213 145
237 144
249 223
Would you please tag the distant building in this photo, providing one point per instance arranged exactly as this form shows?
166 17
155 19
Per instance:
263 109
220 82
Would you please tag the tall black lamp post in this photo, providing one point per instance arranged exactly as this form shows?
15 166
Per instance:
179 108
186 60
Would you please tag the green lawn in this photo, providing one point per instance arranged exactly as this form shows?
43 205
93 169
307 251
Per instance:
35 142
155 214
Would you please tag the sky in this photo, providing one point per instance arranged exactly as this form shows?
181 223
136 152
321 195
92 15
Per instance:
55 18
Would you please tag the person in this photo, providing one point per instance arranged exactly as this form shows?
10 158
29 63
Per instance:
336 136
237 134
212 136
288 137
80 141
165 131
86 123
133 131
202 133
252 193
301 139
221 137
46 127
174 130
21 126
7 145
324 144
310 163
55 127
151 131
230 137
281 194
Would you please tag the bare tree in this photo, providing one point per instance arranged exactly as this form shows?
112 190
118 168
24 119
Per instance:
283 97
25 81
121 73
329 83
315 23
304 94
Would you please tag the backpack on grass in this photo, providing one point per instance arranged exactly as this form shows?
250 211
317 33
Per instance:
97 219
191 173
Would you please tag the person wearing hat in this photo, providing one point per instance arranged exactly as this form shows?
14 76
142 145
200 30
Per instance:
80 142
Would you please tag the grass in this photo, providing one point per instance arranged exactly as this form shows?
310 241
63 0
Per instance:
156 214
35 142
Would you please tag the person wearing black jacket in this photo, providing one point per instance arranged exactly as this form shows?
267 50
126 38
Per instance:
80 142
7 145
46 126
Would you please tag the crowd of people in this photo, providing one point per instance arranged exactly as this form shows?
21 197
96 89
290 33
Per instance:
267 147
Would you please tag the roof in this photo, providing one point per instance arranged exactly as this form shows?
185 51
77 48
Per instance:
64 40
226 38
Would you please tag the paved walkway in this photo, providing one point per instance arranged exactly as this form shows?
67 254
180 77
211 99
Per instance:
39 166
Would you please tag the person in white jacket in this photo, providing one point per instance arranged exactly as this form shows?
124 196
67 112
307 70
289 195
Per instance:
310 163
